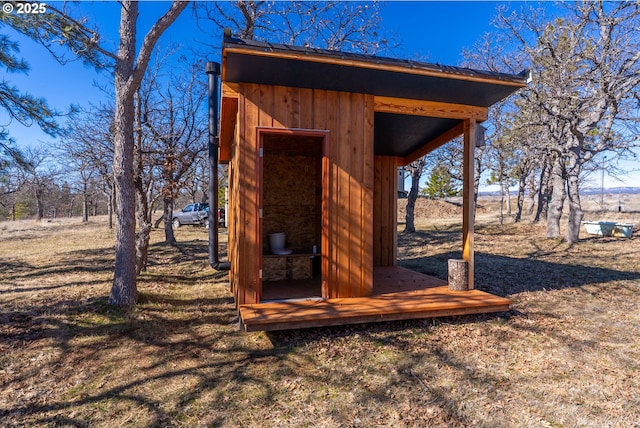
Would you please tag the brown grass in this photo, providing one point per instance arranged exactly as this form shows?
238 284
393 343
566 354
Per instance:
568 355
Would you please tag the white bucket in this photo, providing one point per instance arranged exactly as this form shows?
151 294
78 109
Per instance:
277 241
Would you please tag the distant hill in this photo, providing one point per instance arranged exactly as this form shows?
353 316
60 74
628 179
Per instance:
611 191
587 191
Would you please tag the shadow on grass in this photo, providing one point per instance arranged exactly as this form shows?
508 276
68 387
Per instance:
81 331
196 347
505 276
438 235
52 338
82 261
416 370
101 260
179 252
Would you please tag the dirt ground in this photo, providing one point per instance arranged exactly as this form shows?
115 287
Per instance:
567 355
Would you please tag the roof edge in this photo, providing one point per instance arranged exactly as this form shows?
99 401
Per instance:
253 47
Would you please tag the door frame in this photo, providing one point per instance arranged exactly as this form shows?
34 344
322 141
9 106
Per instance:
324 214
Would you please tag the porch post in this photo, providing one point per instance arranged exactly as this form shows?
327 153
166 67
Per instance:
468 197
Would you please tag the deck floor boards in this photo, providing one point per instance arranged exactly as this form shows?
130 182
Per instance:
399 294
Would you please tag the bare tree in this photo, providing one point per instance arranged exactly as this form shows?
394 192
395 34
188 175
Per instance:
87 143
129 65
415 170
349 26
38 177
129 72
586 76
80 153
144 181
176 124
11 181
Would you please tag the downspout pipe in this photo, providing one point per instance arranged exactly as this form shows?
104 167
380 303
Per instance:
213 72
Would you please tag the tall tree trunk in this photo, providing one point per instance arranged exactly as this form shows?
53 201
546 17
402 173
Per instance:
124 291
111 197
501 207
39 205
507 193
572 234
416 169
169 236
543 193
85 203
478 172
127 80
557 198
142 246
144 217
532 194
522 183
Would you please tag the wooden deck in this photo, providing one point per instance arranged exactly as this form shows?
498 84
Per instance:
398 294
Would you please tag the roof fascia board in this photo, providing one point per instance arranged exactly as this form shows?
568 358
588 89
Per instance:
230 90
429 108
228 122
515 81
223 71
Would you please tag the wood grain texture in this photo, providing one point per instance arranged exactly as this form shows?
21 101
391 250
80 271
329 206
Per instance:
439 141
398 294
345 231
429 108
468 196
385 212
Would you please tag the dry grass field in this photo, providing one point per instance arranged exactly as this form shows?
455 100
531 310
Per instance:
567 355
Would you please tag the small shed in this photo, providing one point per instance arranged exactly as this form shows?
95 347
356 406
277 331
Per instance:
313 139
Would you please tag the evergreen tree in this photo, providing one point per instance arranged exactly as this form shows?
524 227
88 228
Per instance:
22 107
440 183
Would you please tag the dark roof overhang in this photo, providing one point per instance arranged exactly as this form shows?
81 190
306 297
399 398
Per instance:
395 133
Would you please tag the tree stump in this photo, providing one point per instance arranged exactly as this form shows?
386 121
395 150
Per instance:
458 275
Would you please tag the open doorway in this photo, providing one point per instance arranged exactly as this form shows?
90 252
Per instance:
292 192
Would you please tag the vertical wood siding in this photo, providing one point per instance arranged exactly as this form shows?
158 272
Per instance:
348 231
385 212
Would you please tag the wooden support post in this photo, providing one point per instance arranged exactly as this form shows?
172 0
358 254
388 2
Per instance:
468 196
458 275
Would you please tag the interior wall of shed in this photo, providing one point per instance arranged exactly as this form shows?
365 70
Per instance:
292 191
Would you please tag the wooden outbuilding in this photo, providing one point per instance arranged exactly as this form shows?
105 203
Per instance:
313 139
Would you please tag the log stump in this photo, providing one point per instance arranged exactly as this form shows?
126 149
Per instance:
458 275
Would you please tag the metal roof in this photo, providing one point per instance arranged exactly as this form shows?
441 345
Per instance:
394 134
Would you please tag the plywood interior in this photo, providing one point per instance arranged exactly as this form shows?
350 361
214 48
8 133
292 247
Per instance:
292 191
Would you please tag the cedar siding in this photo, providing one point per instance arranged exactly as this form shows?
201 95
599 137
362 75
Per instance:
348 245
385 211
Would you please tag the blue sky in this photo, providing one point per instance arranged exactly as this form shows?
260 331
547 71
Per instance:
428 30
